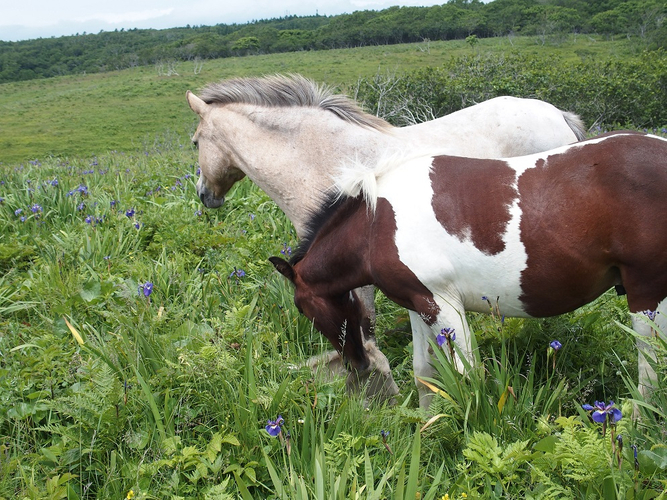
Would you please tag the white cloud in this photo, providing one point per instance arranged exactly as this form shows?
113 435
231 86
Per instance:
125 17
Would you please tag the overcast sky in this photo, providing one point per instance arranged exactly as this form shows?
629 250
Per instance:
24 19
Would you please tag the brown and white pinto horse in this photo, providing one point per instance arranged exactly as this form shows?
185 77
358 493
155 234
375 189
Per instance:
545 233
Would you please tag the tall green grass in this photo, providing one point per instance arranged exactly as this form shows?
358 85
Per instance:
108 393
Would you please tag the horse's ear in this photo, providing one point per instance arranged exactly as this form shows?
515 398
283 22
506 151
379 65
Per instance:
283 267
196 104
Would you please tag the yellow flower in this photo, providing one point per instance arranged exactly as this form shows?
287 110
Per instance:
130 495
446 497
463 495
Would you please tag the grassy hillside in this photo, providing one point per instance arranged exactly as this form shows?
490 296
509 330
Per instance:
146 341
89 115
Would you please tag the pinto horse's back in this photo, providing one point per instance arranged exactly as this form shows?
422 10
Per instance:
599 211
560 227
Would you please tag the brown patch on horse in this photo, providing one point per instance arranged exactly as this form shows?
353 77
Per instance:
472 199
576 221
411 293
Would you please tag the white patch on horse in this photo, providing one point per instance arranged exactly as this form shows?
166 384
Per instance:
452 268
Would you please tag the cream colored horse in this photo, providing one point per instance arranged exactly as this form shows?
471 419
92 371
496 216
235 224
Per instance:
290 136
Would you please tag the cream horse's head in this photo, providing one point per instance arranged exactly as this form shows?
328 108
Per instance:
218 173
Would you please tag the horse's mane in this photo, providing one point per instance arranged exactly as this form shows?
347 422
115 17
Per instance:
287 91
335 206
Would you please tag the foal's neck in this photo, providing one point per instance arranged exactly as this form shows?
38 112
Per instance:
339 255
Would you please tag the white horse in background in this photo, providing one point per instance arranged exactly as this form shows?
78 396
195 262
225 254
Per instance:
290 136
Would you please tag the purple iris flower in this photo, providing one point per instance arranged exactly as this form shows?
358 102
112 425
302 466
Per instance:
603 412
237 273
275 426
555 345
129 213
650 314
445 335
146 289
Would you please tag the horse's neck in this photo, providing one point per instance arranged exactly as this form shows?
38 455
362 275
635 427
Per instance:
341 249
292 154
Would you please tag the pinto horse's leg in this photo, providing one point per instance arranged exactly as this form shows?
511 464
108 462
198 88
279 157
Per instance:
645 351
451 315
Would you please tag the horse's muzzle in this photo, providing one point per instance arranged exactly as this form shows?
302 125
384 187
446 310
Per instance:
209 200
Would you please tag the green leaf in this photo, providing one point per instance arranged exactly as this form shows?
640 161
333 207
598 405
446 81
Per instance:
231 439
547 444
91 291
49 455
652 461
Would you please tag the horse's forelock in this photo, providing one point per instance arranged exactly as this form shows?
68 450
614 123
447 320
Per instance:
289 91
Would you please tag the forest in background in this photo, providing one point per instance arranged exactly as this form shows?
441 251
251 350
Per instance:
643 20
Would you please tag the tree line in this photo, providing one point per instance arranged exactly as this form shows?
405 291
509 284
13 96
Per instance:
606 94
456 19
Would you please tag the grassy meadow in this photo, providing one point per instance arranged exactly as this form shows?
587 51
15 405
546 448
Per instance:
127 110
148 350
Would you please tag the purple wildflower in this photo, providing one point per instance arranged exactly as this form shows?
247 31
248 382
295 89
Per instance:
555 345
146 289
385 434
447 335
650 314
237 273
129 212
603 412
274 427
